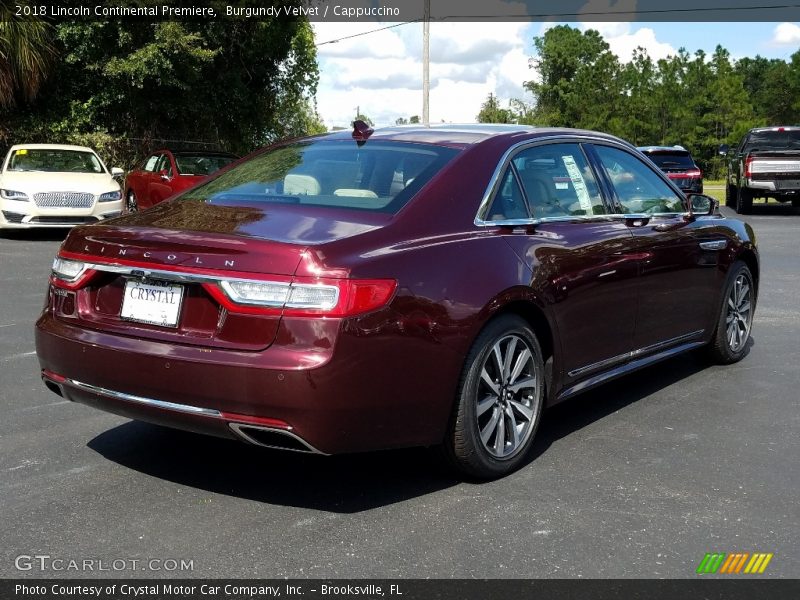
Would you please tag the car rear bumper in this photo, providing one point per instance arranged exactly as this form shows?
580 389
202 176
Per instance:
359 397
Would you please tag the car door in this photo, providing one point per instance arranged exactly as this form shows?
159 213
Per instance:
679 275
139 181
160 180
583 264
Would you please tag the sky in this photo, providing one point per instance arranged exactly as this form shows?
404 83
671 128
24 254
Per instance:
380 73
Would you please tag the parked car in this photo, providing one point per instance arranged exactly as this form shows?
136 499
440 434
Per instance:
165 173
54 185
766 164
679 166
402 287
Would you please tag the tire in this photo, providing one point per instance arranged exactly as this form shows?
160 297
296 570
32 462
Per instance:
491 403
729 192
131 204
744 201
795 202
730 341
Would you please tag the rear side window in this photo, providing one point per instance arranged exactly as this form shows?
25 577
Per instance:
376 176
672 160
558 181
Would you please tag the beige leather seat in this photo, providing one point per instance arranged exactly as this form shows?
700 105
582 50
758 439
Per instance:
301 185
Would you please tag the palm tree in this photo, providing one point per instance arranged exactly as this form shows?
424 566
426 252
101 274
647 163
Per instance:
26 53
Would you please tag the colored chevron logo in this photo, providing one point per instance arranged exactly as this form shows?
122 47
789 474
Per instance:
734 563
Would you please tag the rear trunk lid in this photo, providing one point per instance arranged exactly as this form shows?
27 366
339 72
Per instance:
190 245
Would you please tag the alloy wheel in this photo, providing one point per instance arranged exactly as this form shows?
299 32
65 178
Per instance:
739 317
507 397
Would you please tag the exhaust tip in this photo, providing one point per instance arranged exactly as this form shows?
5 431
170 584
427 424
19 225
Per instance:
268 437
54 387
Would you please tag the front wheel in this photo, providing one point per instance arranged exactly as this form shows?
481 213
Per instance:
729 344
131 204
499 402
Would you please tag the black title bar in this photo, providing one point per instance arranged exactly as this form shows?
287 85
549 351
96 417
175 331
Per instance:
412 10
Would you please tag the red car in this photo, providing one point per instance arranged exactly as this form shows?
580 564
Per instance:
365 290
165 173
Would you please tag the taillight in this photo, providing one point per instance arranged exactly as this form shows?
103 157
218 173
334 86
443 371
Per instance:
304 296
694 173
748 166
70 274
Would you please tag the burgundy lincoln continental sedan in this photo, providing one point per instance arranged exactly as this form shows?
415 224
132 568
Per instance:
401 287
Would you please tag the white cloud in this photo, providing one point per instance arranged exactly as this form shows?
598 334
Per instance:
381 73
786 34
623 42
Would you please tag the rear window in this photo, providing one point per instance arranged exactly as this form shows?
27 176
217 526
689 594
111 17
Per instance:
376 176
672 159
773 140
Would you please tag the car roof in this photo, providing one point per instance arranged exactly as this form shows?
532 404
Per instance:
462 135
775 128
51 147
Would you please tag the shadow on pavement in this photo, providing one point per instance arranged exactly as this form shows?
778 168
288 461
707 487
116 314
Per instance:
35 235
356 482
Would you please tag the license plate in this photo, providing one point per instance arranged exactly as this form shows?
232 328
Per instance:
153 302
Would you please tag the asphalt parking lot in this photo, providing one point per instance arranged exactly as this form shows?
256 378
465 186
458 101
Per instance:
637 479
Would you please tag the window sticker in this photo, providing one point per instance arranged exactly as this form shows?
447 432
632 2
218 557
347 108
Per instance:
20 152
578 183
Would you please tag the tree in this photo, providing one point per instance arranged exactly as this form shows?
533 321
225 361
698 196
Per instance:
491 112
579 84
401 121
365 118
237 83
413 119
26 56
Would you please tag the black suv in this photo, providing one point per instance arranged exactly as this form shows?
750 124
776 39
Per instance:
679 166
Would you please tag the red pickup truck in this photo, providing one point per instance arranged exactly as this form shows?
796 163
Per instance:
766 164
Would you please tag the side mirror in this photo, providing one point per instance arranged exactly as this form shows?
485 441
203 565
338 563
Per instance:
723 149
117 172
700 204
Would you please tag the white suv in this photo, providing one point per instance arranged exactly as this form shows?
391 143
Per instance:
53 185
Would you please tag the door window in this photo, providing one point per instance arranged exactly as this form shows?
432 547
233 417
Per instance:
558 181
150 163
639 189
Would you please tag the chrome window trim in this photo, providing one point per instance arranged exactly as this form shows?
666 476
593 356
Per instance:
491 188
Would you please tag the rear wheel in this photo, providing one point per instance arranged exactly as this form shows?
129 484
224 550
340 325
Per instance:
744 201
499 402
131 204
735 320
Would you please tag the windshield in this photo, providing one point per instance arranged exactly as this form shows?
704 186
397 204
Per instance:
55 161
375 176
201 164
773 140
672 160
